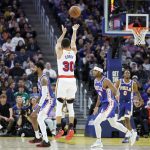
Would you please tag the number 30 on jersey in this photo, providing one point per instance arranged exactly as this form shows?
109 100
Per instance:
68 66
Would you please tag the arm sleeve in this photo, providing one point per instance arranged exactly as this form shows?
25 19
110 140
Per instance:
44 95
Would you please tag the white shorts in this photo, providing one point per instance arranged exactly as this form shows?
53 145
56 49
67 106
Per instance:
66 88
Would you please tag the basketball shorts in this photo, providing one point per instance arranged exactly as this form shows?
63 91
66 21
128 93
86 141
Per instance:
46 108
66 88
125 110
108 109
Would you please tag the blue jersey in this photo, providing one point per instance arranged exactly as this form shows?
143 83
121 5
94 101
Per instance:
104 94
126 90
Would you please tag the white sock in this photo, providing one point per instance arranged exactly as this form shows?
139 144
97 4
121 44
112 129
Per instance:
98 140
37 135
45 138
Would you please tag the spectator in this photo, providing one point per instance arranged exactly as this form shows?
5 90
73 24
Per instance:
33 46
35 93
16 71
140 116
6 115
8 47
50 72
20 45
11 60
146 64
10 94
146 95
16 39
23 94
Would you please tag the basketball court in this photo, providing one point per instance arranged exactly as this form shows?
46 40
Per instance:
77 143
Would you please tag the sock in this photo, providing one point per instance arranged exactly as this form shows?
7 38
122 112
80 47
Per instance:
59 127
98 140
37 135
45 138
128 134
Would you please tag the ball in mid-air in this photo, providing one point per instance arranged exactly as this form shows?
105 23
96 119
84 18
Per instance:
74 11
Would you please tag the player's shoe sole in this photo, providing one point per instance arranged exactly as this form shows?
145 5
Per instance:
35 140
70 135
43 144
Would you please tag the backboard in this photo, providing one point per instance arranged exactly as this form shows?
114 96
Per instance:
121 15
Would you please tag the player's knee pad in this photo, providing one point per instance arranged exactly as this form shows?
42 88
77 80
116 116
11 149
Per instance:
70 101
59 106
60 100
70 109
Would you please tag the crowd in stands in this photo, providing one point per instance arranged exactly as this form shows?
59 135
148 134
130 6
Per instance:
93 47
19 51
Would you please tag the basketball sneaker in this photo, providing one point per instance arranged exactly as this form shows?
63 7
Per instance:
126 140
44 144
35 140
98 144
133 138
59 134
70 134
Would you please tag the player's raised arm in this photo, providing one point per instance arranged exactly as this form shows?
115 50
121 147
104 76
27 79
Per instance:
58 44
74 37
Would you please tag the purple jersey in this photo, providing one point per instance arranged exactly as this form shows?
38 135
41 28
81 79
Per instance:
105 94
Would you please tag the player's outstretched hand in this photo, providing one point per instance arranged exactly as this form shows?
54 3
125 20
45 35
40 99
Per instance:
64 30
75 27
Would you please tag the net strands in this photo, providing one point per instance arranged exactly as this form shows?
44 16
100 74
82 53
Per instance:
139 35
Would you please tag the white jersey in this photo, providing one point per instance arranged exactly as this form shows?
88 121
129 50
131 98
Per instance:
66 63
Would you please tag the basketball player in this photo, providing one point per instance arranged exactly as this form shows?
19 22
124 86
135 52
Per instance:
45 105
106 92
66 83
126 87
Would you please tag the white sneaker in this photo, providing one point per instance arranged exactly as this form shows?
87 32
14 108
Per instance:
98 143
133 138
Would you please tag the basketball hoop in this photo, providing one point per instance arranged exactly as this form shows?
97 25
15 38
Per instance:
139 35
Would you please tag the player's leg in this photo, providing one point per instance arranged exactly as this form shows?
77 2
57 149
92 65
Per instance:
59 106
71 119
113 122
71 91
98 130
34 123
61 94
128 114
41 121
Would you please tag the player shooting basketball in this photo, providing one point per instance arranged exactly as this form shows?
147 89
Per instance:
66 83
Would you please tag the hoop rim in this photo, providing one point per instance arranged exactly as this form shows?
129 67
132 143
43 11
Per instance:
139 29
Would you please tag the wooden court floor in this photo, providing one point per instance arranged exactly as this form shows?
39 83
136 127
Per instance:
77 143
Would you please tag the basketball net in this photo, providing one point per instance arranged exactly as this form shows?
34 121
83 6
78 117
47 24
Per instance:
139 35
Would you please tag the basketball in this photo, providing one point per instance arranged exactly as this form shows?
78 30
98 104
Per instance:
74 11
